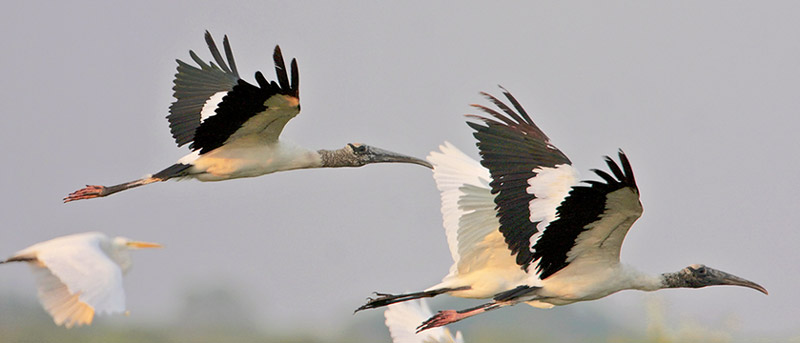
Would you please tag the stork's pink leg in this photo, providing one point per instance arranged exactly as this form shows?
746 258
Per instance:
88 192
445 317
451 316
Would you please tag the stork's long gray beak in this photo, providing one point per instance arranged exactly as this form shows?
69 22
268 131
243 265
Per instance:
378 155
733 280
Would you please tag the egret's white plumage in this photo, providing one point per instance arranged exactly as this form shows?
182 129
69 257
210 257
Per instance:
81 274
402 320
522 228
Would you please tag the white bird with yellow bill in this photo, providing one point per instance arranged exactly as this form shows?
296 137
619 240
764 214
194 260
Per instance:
81 274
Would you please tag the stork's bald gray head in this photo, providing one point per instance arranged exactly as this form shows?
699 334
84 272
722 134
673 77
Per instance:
698 275
357 155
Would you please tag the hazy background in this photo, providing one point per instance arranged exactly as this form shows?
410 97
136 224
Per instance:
703 97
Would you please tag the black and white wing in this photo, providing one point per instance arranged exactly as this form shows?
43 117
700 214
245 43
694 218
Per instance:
214 106
592 220
541 207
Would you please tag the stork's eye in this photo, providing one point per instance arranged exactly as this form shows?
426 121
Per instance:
358 149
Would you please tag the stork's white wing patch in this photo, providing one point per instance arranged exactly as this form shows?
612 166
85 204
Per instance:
210 107
550 186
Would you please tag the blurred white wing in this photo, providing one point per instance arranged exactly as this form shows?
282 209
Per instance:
73 272
403 318
66 308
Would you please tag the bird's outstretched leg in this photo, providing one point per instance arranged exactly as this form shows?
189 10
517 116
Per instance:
451 316
92 191
503 299
384 299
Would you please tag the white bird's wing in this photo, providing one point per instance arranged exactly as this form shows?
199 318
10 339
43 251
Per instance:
403 318
214 106
468 212
77 270
65 308
545 217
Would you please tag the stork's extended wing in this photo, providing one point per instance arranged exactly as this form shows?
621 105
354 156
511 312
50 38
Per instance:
194 87
592 221
214 106
541 209
517 153
468 213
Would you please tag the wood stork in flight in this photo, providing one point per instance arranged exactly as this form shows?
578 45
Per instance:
233 127
80 275
526 230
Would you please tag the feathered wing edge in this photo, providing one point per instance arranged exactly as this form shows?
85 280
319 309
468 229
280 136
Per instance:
482 261
513 148
87 272
453 172
193 86
243 110
585 210
65 307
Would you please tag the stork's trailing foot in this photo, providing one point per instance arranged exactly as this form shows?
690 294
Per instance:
451 316
93 191
446 317
88 192
384 299
441 319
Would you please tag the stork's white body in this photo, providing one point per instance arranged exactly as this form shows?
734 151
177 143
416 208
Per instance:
249 156
254 149
589 280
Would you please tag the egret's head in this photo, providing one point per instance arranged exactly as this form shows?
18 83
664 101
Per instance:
357 155
698 275
120 251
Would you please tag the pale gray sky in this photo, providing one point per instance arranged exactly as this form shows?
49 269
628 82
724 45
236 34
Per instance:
702 96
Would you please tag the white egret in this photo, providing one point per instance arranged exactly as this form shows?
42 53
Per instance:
233 127
80 275
522 227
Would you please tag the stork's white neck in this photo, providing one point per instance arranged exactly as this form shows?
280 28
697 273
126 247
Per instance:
642 281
